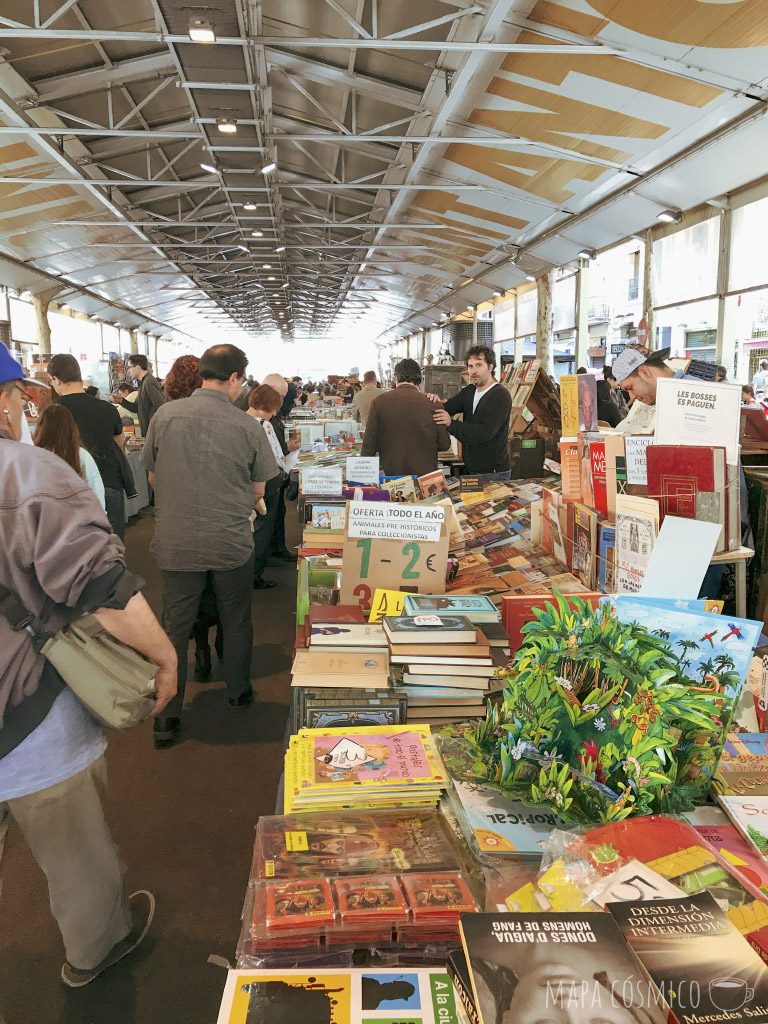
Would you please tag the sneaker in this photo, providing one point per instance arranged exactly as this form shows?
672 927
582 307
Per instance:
142 904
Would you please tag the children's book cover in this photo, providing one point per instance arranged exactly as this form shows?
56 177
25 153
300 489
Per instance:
614 712
501 826
406 995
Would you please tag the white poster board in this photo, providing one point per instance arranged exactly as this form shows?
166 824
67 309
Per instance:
694 412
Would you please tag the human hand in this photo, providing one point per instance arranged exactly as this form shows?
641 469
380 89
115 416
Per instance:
293 446
435 398
165 687
442 418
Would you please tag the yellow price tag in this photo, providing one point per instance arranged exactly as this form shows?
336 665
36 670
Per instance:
296 842
386 602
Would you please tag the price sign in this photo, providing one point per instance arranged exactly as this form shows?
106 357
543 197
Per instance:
412 566
386 602
321 480
363 470
379 520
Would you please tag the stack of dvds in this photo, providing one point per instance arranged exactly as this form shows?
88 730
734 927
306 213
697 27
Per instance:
323 886
377 766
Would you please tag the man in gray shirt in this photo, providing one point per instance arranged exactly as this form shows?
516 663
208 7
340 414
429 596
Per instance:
208 462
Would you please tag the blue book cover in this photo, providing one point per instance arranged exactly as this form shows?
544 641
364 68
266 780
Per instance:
682 604
475 608
497 824
713 651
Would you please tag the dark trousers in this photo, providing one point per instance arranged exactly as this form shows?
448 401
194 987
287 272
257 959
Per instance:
181 599
263 528
115 509
278 531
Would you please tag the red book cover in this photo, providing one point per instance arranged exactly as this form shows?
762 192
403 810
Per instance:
335 613
689 482
599 488
570 470
517 609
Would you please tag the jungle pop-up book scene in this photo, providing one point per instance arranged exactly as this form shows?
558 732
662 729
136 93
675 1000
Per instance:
611 712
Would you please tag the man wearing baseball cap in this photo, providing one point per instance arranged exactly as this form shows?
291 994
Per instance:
58 559
637 372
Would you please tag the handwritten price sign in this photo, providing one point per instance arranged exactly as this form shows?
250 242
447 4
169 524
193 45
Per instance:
412 566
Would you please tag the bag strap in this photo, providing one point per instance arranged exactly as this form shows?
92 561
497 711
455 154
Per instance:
15 613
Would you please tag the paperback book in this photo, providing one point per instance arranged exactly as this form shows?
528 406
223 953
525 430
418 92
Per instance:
406 995
702 967
530 967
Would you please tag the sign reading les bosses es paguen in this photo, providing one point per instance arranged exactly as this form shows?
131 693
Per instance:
394 521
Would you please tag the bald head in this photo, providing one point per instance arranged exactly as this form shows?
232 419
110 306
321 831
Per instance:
278 382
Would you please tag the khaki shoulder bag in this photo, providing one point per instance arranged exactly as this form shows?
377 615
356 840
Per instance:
114 682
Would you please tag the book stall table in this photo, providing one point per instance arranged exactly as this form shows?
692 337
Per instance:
739 560
484 772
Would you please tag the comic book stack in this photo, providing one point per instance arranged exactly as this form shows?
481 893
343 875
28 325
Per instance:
323 886
377 766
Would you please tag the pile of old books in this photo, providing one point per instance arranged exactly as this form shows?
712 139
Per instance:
340 672
368 767
443 652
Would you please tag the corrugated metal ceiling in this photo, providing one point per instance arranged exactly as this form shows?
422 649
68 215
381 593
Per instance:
415 171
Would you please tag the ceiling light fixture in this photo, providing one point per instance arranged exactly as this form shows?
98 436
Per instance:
209 167
497 294
268 168
280 248
250 207
670 216
201 30
271 278
266 266
227 125
529 277
257 234
587 254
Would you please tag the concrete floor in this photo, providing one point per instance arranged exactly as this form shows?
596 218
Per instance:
184 821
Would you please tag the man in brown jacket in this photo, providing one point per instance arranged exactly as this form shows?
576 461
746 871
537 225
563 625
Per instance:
400 428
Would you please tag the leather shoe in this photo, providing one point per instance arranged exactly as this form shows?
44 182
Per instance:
261 584
245 698
166 732
284 555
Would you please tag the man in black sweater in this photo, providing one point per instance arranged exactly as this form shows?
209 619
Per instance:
486 406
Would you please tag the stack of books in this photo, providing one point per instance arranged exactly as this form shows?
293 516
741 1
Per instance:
444 661
373 767
340 672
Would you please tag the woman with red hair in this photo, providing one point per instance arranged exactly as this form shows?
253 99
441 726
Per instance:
183 378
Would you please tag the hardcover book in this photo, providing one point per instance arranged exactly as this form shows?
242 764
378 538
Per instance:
346 634
531 967
689 483
584 545
476 608
429 629
702 967
599 480
311 664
